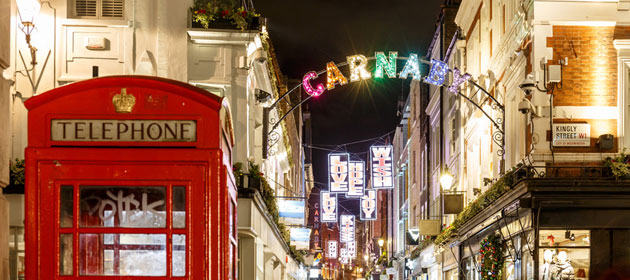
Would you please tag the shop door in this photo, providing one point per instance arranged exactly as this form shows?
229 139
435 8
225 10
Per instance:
124 220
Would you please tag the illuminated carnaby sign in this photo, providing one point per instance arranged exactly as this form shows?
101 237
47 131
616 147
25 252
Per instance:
338 172
329 206
356 182
332 249
123 130
347 228
351 249
382 167
384 65
368 205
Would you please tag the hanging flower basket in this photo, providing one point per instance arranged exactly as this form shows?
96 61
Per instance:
212 15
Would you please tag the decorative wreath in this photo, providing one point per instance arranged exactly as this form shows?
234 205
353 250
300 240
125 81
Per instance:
491 257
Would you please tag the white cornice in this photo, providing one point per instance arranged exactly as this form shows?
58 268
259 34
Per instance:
466 14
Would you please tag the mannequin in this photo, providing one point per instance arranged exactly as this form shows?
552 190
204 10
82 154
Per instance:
545 270
562 269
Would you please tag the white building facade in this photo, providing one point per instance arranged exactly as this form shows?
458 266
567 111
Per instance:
79 40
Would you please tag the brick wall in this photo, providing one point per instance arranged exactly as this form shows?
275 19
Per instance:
590 79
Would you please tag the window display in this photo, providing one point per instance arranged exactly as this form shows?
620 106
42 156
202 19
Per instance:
564 254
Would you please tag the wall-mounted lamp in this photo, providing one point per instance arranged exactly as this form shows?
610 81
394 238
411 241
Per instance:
262 96
28 10
446 180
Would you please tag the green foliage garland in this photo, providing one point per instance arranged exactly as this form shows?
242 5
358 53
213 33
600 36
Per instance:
500 187
491 257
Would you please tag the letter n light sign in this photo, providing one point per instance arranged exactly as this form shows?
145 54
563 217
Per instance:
382 167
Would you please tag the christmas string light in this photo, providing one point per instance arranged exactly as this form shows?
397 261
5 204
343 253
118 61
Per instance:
319 88
382 62
411 67
458 79
358 71
492 258
333 75
437 72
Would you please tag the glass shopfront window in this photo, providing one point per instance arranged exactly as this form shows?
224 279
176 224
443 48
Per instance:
564 254
156 246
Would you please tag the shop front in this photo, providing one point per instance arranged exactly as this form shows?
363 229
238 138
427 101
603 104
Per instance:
552 230
127 178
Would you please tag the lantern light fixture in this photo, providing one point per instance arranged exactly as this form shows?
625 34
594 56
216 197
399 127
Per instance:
446 180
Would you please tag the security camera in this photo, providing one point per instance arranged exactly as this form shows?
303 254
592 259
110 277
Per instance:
526 106
527 86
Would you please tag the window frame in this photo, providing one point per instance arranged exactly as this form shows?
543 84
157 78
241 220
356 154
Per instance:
76 229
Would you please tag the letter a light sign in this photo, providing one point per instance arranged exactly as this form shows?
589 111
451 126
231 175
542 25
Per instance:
368 206
329 206
338 172
382 167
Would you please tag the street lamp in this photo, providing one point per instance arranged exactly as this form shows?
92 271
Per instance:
446 180
381 242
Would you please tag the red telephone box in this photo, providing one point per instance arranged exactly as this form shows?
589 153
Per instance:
130 177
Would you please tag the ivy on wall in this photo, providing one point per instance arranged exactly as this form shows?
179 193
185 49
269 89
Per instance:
500 187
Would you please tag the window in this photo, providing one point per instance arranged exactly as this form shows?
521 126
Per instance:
101 9
104 243
563 253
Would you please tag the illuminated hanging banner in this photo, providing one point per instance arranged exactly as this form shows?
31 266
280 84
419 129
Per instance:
329 206
351 249
332 249
383 65
368 206
382 167
343 255
347 228
356 182
338 172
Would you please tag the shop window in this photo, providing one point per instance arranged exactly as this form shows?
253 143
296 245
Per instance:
123 231
564 254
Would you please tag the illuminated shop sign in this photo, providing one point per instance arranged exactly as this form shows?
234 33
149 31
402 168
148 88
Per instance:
347 228
338 172
123 130
291 212
329 206
300 237
332 249
368 205
382 167
356 182
383 65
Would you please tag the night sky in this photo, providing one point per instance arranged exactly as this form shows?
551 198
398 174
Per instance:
308 34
